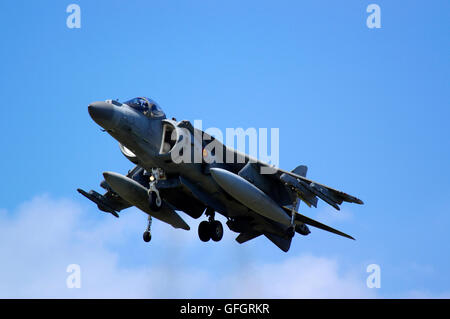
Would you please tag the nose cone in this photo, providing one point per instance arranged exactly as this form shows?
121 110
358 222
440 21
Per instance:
102 113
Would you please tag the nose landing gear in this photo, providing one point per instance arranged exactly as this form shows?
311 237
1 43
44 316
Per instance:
154 199
211 229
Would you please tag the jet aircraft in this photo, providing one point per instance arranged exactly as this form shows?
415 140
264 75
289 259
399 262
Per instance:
163 183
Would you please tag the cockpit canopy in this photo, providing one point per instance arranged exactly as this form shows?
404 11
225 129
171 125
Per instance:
147 106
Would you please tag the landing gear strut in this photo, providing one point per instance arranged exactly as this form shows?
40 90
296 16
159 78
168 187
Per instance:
154 199
291 230
211 229
147 236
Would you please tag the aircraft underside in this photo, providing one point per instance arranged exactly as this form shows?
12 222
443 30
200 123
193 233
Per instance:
167 181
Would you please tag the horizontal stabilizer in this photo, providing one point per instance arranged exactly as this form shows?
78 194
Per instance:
309 221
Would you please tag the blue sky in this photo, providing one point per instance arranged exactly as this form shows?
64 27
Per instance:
365 109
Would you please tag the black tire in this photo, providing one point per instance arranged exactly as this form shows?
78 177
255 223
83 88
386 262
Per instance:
204 232
147 236
216 230
152 202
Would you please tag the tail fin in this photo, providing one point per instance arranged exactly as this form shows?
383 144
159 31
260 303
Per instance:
300 170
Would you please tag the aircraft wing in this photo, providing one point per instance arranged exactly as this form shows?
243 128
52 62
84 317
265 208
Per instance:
107 202
308 190
302 219
110 201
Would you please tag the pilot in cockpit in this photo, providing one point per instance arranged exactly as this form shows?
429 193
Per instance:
147 106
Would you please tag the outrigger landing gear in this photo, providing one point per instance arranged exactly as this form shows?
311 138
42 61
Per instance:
291 230
211 229
147 236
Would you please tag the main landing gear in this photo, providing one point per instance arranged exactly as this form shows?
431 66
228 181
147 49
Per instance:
211 229
147 236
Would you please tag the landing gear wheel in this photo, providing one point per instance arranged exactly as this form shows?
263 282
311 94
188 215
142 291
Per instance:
204 232
154 201
216 230
147 236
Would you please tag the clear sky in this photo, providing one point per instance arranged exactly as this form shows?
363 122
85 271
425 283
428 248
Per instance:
366 109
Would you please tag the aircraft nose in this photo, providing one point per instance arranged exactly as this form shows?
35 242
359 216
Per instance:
102 113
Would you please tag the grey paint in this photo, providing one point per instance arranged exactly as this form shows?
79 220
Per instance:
137 195
250 195
252 203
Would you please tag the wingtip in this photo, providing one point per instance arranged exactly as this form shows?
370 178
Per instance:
347 236
82 192
185 227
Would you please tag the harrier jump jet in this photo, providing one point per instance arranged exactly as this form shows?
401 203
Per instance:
169 177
